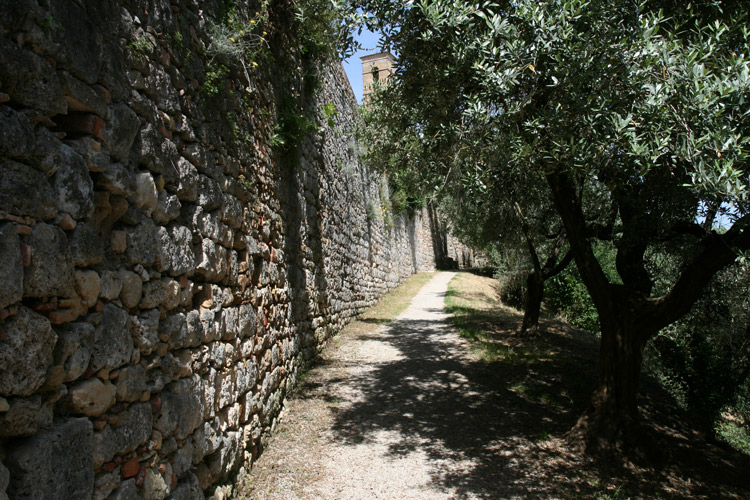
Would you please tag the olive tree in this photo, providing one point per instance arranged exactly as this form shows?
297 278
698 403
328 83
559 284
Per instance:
638 123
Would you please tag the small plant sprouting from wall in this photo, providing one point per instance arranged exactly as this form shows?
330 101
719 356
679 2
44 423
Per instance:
234 43
293 125
386 207
246 182
215 77
330 113
371 211
140 46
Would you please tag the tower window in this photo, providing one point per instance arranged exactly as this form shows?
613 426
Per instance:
375 74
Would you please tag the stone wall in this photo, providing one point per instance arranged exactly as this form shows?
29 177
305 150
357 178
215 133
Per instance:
167 267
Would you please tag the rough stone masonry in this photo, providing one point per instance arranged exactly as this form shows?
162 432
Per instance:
166 269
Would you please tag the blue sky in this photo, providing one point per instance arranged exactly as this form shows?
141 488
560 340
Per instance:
353 65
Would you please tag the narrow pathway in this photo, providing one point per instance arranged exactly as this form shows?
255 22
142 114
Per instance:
389 415
407 412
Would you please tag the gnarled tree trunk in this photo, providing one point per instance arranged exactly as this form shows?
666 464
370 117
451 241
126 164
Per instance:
612 419
533 305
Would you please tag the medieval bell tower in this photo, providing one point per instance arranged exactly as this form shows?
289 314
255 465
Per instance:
376 68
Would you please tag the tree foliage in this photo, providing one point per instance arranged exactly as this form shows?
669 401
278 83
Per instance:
637 124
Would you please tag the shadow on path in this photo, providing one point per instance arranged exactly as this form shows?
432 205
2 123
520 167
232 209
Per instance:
410 411
461 410
493 430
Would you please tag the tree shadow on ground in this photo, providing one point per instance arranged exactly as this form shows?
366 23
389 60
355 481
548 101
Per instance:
494 429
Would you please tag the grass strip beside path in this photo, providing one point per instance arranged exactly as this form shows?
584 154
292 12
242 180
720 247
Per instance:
545 381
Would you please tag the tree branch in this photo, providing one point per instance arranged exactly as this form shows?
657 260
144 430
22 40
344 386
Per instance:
567 258
569 208
718 251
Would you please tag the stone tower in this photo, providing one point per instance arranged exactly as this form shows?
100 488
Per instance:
375 68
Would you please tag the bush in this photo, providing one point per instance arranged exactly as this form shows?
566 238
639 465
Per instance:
567 296
703 360
513 289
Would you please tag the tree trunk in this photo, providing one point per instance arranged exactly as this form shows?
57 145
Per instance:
629 316
534 295
612 421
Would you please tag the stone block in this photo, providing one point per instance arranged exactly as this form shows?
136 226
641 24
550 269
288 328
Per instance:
117 179
55 465
154 486
205 442
126 491
146 195
188 489
90 149
73 349
164 292
231 212
92 397
80 96
182 460
16 135
132 289
181 411
228 458
30 80
197 154
111 285
175 329
246 321
146 329
186 186
72 184
167 208
113 338
88 286
105 482
109 209
120 131
230 330
210 196
133 428
25 191
22 416
51 270
143 243
182 256
131 383
25 352
161 90
11 279
157 153
86 247
206 259
79 47
208 326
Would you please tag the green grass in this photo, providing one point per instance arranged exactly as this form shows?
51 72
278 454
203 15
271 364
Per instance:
478 318
738 437
535 394
389 306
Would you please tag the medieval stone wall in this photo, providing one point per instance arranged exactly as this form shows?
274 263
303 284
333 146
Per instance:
167 267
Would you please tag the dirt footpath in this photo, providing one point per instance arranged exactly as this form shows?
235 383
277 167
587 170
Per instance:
412 411
390 415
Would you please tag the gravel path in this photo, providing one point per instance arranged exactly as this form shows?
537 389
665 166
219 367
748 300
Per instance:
408 412
390 415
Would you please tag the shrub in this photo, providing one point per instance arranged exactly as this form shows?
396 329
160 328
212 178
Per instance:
513 289
567 296
703 360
